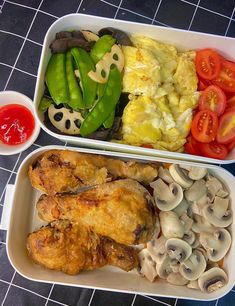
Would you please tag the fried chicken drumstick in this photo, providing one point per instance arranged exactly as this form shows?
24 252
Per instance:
72 248
122 210
58 171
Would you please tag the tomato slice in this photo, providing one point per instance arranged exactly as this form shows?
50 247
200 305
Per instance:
226 77
213 98
204 126
226 130
230 104
148 146
230 145
208 64
191 146
213 150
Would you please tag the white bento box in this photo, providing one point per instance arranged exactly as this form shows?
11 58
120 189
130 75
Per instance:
183 40
24 219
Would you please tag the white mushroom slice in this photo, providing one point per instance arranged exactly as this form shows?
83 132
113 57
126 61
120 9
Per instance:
156 248
171 225
200 224
65 120
176 279
147 265
187 222
189 237
167 197
197 206
102 68
164 174
180 176
215 187
163 267
174 265
181 208
194 266
196 242
193 285
196 191
90 36
216 244
218 213
197 173
212 280
178 249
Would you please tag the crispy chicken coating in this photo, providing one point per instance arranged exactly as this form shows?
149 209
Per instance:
59 171
72 248
122 210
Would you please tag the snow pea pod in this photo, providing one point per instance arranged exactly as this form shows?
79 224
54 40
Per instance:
105 105
109 121
56 79
101 47
85 64
75 101
44 104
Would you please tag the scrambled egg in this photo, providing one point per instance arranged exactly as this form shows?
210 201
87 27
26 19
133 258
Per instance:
163 92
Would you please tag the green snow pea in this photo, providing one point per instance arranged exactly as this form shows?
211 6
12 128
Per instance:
44 104
101 47
85 64
75 100
105 105
56 79
109 121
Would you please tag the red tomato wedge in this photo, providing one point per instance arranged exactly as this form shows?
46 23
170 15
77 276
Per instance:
226 130
213 98
230 104
208 63
214 150
230 145
203 84
191 146
226 77
204 126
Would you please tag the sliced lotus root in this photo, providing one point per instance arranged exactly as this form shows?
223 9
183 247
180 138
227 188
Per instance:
115 56
65 120
90 36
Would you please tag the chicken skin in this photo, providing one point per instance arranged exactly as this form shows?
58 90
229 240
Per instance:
59 171
72 248
122 210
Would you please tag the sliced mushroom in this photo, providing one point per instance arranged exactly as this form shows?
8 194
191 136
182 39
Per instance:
196 191
187 222
65 120
180 176
171 225
197 206
196 173
181 208
163 267
189 237
147 265
215 187
218 213
194 266
90 36
175 265
196 242
164 174
193 285
176 279
212 280
216 244
178 249
200 224
167 197
156 248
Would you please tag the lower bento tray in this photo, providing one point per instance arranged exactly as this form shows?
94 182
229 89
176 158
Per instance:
24 220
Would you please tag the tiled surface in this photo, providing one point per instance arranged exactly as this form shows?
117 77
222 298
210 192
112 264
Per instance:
23 24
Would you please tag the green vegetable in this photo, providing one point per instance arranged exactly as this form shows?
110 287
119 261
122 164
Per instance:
109 121
56 79
105 105
75 100
44 104
101 47
85 64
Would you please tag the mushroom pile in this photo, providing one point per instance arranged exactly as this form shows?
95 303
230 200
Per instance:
194 216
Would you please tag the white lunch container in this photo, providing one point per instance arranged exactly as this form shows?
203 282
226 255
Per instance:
181 39
24 219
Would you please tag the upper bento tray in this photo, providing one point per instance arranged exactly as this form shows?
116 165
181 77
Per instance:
181 39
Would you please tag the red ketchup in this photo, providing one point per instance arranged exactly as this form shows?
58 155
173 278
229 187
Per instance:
16 124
